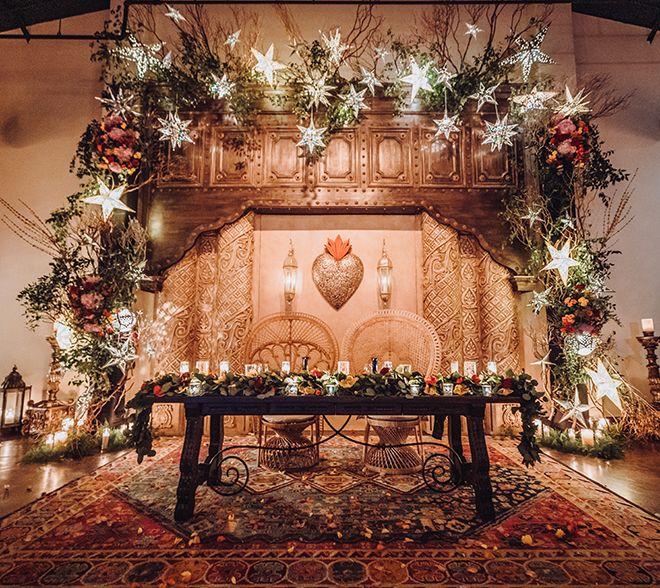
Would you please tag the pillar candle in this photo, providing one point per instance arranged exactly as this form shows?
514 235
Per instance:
587 436
647 326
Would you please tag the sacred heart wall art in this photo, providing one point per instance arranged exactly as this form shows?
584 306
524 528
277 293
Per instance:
337 273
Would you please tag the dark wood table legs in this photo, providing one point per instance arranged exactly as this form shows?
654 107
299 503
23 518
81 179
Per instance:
191 473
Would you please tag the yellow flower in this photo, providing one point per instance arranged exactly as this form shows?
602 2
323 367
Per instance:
348 381
583 301
308 390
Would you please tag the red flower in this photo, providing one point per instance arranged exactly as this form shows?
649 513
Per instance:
507 383
158 391
431 379
579 286
459 380
476 378
318 393
316 373
384 371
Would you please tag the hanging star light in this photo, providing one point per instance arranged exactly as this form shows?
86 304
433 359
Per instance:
175 130
295 47
124 321
109 200
573 410
445 77
499 134
119 105
64 335
532 101
484 95
233 39
561 260
221 88
174 14
167 60
382 52
573 106
473 29
266 65
144 56
417 79
316 89
151 350
121 356
529 53
355 100
335 47
544 363
446 125
311 136
533 214
605 384
540 300
370 80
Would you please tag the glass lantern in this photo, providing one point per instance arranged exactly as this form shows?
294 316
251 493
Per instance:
13 401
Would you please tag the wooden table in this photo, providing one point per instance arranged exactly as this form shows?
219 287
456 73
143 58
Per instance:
194 473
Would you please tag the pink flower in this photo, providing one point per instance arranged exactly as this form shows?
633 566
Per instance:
123 154
565 127
116 133
91 328
89 300
565 148
115 167
89 281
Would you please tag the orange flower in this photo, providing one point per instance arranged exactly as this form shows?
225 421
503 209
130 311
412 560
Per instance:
158 391
431 379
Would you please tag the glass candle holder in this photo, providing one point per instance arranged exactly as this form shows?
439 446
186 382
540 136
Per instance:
492 367
406 367
195 387
447 389
251 369
292 389
331 389
344 367
487 390
387 364
470 369
454 367
202 367
414 389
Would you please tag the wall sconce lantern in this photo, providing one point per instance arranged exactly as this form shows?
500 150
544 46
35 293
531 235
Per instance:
384 269
13 399
290 271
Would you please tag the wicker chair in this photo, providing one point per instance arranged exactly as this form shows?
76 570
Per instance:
403 338
290 337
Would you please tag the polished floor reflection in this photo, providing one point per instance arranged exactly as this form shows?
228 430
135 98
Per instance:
636 478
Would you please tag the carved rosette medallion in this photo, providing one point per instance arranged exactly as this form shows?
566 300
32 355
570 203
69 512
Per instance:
337 273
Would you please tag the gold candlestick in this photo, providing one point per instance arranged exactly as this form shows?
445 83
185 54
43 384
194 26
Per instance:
650 343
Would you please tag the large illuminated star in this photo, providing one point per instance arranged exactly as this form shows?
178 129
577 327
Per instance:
484 95
311 136
119 105
573 410
335 47
175 130
221 88
417 79
605 385
144 56
499 134
573 106
370 80
121 356
266 65
317 91
109 200
473 29
355 100
561 260
382 52
532 101
174 14
529 53
446 125
233 39
445 77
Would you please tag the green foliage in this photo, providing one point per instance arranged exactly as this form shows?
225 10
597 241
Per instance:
77 445
611 445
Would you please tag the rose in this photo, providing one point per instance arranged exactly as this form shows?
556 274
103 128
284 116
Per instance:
90 300
565 127
476 379
507 383
316 373
431 380
566 148
579 286
158 391
384 371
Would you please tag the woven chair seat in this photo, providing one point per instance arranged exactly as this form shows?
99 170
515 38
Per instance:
288 418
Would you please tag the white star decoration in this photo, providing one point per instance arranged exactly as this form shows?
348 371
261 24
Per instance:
355 100
121 356
417 79
561 260
233 39
573 410
119 105
532 101
317 91
382 53
484 95
174 14
540 300
529 53
175 130
532 215
573 106
335 47
445 76
446 125
472 30
109 199
605 385
221 88
311 137
370 80
544 363
144 56
499 134
266 65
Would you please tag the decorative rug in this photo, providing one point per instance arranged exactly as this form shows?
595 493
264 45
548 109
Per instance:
334 525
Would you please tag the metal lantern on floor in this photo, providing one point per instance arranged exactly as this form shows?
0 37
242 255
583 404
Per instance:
13 400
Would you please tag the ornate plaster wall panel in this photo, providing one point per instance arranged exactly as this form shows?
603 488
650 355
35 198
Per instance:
283 161
390 151
491 169
442 159
339 164
230 159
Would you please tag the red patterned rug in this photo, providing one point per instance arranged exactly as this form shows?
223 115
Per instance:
336 525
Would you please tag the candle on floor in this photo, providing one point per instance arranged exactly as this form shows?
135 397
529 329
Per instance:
571 433
104 440
587 436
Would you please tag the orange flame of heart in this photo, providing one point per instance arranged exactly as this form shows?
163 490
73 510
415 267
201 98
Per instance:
338 248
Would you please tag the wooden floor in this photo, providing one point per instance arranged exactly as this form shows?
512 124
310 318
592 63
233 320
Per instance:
636 478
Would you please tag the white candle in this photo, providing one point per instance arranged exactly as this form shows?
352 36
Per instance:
343 367
202 367
571 433
286 367
104 440
492 367
224 367
647 326
185 367
454 367
587 436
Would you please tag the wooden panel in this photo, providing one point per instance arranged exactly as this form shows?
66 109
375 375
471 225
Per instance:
230 164
339 163
283 161
492 168
442 159
390 157
184 165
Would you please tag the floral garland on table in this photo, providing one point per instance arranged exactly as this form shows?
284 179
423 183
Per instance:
384 383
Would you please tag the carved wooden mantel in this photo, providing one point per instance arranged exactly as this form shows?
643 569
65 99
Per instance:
385 165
